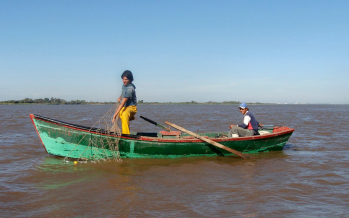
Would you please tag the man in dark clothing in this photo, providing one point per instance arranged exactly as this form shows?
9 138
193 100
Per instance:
249 127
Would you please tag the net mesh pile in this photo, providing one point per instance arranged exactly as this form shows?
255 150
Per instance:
103 142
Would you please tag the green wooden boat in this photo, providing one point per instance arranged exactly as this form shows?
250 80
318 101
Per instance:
74 141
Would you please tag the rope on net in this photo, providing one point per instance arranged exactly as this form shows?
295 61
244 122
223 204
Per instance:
103 142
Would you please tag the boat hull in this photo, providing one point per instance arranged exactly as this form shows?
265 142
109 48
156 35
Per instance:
73 141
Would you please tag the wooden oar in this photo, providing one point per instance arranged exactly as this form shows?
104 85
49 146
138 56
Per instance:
155 123
208 140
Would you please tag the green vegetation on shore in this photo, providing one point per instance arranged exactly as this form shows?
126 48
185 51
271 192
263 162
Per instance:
58 101
52 101
190 102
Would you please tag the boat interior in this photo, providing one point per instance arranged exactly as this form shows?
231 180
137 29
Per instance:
179 134
160 134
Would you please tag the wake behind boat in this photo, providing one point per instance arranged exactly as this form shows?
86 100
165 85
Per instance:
74 141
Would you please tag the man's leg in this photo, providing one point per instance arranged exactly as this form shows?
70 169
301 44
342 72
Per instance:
127 114
240 132
234 132
133 111
125 120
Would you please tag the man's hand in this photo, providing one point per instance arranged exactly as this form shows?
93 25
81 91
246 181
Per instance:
119 108
231 126
114 118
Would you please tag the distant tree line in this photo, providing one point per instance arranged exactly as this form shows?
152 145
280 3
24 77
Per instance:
55 101
191 102
199 103
59 101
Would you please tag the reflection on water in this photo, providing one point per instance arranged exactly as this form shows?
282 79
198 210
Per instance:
307 179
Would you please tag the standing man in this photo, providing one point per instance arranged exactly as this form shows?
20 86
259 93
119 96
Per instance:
249 127
128 102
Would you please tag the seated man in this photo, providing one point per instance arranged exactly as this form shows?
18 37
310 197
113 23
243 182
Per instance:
249 127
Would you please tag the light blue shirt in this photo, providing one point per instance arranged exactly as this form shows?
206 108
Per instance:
129 92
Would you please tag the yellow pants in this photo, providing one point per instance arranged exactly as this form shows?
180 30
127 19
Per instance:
126 114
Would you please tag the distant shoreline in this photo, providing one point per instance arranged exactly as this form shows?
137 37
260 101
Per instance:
58 101
176 103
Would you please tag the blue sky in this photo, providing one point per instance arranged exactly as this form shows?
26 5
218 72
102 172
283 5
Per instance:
184 50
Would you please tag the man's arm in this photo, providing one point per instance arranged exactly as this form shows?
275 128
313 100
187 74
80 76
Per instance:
245 123
123 102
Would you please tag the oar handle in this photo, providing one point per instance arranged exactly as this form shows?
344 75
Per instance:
149 120
155 123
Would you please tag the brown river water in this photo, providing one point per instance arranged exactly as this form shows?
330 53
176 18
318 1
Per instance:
309 178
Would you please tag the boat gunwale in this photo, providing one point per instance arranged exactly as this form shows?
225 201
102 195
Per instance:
154 139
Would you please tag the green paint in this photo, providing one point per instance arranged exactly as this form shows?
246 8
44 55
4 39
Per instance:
63 141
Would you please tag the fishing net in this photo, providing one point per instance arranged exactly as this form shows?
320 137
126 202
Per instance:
103 140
